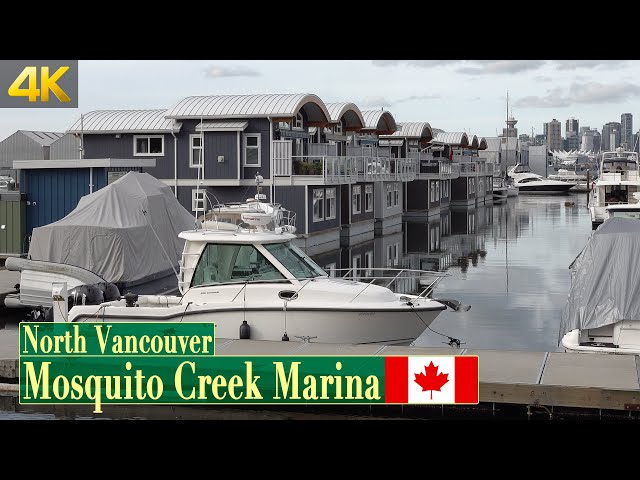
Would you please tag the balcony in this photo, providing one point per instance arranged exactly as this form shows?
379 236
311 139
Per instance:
371 169
315 170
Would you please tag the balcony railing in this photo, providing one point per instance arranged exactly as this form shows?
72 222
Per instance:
385 168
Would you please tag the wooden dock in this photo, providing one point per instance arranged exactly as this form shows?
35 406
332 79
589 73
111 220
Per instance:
512 383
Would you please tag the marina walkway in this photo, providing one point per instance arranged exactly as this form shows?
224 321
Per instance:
589 383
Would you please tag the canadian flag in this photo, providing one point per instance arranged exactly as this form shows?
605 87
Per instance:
431 379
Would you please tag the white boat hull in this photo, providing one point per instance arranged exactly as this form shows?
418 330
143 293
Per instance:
622 338
323 325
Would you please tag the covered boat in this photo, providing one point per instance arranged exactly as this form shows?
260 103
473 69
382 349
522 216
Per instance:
602 313
125 233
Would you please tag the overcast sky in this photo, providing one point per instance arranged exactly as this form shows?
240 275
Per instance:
454 95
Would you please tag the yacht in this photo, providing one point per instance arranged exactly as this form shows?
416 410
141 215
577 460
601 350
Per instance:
253 282
580 180
616 184
602 313
532 183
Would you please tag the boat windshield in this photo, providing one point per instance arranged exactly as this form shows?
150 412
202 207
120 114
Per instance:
233 263
295 260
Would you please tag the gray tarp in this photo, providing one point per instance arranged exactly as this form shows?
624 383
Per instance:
605 278
108 233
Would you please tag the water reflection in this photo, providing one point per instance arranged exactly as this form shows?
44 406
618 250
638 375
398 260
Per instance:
509 261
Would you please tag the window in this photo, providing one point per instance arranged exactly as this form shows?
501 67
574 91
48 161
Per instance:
368 263
368 198
284 125
432 191
437 190
195 152
356 264
252 150
331 204
147 145
396 194
299 121
228 263
389 195
338 128
318 204
355 199
392 254
197 200
295 260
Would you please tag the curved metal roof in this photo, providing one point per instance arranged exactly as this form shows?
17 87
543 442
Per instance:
122 121
379 121
459 139
482 144
352 115
246 106
421 130
473 141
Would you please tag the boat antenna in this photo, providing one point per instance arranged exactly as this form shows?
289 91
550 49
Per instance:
144 212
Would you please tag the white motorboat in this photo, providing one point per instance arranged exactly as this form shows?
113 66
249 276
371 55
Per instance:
618 181
532 183
500 190
602 314
580 181
255 283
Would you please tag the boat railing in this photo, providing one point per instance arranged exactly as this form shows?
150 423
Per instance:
399 280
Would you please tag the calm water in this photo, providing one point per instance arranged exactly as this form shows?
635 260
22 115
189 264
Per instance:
508 261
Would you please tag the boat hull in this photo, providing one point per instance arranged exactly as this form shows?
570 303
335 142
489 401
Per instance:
545 189
323 325
627 335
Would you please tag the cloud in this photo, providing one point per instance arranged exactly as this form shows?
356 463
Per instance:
374 102
219 71
472 67
416 98
601 64
582 93
414 63
479 67
542 78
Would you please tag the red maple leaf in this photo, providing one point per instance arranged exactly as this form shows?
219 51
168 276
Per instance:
431 379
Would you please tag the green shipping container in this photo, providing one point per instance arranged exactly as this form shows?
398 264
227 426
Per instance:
12 223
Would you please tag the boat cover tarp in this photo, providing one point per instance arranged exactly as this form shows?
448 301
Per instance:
108 233
605 278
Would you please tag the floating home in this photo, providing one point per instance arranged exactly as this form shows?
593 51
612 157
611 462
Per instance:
349 176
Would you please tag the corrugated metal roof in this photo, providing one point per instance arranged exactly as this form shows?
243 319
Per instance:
379 121
238 106
493 143
222 126
414 130
452 138
351 113
473 140
121 121
482 144
43 138
436 131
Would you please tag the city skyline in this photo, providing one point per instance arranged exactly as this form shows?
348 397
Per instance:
453 95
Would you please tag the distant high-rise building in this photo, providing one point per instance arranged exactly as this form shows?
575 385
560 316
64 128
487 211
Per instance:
590 141
572 142
571 125
552 132
540 139
523 137
636 144
607 130
626 134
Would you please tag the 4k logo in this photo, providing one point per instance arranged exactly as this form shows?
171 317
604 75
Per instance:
46 83
38 83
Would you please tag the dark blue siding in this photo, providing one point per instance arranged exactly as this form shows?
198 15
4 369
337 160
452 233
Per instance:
56 192
108 146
